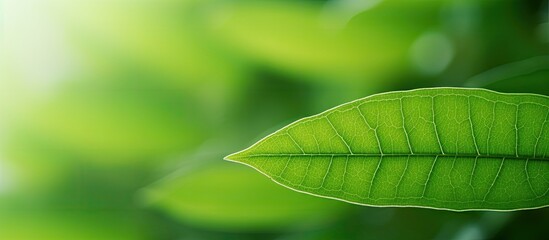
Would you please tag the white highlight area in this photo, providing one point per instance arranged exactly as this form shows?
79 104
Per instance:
33 44
431 53
6 177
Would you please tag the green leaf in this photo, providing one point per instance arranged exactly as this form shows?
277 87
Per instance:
443 148
225 197
289 35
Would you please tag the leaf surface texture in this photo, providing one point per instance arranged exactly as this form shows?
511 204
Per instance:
443 148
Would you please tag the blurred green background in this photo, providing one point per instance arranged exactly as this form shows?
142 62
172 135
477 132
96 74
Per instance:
115 114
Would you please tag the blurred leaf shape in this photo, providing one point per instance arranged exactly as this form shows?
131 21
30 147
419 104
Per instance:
300 36
163 37
529 75
443 148
112 122
225 197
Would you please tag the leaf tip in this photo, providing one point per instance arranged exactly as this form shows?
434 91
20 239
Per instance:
232 157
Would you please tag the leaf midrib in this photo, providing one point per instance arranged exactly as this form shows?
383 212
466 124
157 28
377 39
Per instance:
394 155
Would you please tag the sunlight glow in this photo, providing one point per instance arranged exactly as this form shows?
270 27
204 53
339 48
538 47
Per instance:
35 44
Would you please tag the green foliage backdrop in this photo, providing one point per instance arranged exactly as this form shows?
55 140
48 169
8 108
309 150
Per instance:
115 115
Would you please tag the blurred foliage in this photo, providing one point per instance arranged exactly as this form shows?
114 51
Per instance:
528 75
227 197
114 115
